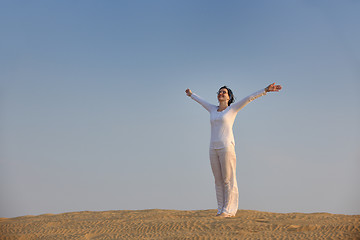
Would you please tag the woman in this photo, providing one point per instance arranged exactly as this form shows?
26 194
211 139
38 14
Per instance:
222 144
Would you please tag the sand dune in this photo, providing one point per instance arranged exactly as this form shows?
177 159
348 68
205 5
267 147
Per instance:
175 224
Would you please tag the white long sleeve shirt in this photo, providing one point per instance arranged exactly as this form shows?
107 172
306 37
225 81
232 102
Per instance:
222 122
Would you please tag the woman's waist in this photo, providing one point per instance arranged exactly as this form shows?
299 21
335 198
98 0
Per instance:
221 144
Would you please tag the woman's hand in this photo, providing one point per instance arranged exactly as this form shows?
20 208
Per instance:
273 88
188 92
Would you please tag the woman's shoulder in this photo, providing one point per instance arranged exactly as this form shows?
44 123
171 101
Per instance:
213 108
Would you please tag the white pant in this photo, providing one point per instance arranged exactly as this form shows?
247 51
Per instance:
223 165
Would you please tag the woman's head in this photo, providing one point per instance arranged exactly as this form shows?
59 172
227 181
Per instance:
225 93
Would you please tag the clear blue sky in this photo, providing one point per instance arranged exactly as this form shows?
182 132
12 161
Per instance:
94 115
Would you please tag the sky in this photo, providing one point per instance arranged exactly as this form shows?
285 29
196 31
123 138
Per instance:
94 115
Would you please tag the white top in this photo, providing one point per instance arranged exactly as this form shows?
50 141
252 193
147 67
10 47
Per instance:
222 122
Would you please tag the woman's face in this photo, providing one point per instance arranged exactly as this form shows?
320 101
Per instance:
223 95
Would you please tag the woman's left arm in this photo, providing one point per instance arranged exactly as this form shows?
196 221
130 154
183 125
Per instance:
271 88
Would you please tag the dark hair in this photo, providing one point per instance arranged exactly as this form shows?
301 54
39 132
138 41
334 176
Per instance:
231 95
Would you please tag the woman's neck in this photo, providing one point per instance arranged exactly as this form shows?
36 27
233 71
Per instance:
222 106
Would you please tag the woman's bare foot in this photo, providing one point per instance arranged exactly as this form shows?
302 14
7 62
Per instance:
224 215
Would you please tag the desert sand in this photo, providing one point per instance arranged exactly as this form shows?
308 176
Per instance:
176 224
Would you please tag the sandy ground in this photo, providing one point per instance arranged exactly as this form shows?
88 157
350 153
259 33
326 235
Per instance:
175 224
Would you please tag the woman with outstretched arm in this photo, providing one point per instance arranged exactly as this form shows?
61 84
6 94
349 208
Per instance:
222 144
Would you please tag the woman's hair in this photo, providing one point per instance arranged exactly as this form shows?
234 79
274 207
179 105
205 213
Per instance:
231 95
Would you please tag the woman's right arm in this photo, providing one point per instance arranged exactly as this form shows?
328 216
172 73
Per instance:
198 99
